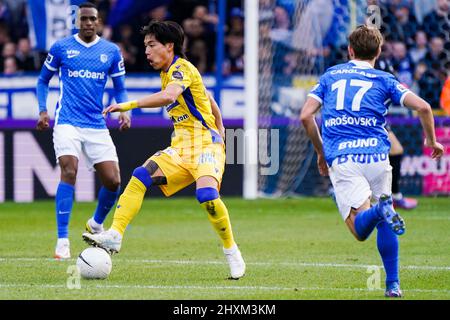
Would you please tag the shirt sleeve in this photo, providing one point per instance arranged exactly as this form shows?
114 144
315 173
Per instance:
42 87
181 75
317 92
53 60
397 92
120 93
118 66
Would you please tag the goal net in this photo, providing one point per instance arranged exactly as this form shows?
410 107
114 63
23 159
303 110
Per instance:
300 39
295 49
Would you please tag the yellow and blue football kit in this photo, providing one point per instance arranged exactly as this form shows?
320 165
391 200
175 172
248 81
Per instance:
197 148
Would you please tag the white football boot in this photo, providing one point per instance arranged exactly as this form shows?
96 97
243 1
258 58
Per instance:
110 240
62 250
235 261
93 227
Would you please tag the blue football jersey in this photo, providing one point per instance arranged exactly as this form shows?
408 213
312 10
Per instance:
83 72
355 98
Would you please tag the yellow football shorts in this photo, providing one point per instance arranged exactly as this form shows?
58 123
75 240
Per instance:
184 166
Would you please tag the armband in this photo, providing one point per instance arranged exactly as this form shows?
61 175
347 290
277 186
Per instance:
125 106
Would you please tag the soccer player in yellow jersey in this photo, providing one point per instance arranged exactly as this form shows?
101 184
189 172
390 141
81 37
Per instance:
197 150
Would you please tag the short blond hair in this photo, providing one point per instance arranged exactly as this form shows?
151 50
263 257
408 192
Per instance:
365 42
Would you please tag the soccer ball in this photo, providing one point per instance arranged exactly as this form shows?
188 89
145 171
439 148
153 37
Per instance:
94 263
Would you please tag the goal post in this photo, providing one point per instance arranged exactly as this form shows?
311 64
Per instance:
280 69
251 36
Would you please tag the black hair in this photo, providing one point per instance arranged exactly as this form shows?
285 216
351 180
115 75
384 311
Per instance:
167 32
87 5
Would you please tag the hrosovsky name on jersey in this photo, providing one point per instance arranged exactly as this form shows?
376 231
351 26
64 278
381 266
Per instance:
344 120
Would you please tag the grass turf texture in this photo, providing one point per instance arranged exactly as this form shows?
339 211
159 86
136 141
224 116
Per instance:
294 249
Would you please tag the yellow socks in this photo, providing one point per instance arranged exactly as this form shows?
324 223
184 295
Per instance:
129 204
220 220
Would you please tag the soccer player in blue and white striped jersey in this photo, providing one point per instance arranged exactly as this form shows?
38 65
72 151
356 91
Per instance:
353 146
83 62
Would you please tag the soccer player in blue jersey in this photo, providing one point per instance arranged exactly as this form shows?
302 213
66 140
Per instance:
83 62
353 146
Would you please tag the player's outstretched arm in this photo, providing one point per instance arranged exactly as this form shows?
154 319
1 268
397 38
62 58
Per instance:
307 117
425 113
160 99
217 115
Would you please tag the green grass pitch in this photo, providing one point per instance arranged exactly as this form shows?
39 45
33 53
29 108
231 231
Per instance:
294 249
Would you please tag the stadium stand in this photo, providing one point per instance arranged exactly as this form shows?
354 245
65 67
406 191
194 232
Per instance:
121 24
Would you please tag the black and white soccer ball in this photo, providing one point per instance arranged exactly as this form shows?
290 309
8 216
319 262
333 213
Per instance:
94 263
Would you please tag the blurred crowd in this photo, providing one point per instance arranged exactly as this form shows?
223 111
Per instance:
198 18
417 44
307 37
296 37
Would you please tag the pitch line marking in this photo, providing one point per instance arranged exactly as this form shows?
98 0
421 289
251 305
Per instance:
293 264
248 288
281 263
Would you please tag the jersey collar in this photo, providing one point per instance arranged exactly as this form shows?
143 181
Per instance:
361 64
175 58
86 44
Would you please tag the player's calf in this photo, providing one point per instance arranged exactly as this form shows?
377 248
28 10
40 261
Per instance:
364 222
131 199
106 200
217 214
210 200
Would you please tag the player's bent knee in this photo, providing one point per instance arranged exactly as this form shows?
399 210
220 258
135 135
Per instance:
355 234
112 185
351 226
69 175
116 183
206 194
358 238
159 180
151 167
143 175
207 182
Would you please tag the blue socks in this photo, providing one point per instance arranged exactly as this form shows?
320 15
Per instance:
64 202
387 243
106 200
366 221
